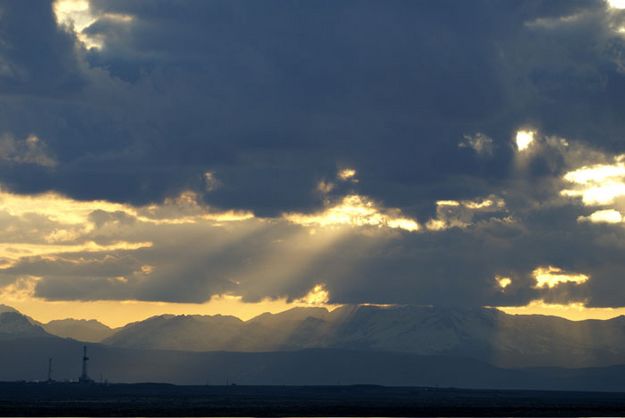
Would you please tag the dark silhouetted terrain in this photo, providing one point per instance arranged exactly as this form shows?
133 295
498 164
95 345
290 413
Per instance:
362 346
166 400
26 359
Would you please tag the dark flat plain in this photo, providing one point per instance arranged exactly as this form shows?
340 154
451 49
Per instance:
72 399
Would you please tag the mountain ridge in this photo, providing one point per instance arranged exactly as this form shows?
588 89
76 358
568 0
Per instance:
481 333
484 334
88 330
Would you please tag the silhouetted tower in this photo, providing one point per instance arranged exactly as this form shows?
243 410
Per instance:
50 370
84 377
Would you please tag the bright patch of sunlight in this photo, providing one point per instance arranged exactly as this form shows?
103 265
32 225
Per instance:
550 277
573 311
115 313
598 184
347 174
524 139
318 295
460 213
355 210
503 282
609 216
77 15
616 4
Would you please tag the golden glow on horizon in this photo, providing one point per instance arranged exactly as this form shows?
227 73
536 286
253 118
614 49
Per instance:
524 139
115 313
119 313
19 295
572 311
550 277
355 210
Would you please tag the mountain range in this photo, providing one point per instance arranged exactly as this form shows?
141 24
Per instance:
402 345
484 334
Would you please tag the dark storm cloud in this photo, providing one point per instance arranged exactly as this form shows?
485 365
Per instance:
272 97
35 57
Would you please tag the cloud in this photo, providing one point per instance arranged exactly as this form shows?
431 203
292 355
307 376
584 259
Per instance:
524 139
347 174
599 184
480 143
610 216
355 210
460 214
190 151
31 150
551 277
224 93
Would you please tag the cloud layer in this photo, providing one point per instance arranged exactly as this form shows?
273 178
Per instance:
396 152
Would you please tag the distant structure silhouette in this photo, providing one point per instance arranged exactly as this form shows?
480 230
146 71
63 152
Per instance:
50 370
84 377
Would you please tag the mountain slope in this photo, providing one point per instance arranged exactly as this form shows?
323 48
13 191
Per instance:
185 333
79 329
14 325
6 308
484 334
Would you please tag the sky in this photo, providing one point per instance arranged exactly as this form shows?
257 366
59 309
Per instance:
237 157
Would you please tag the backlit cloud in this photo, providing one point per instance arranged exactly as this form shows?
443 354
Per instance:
550 277
524 139
355 210
609 216
503 281
599 184
318 295
461 214
616 4
78 15
346 174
